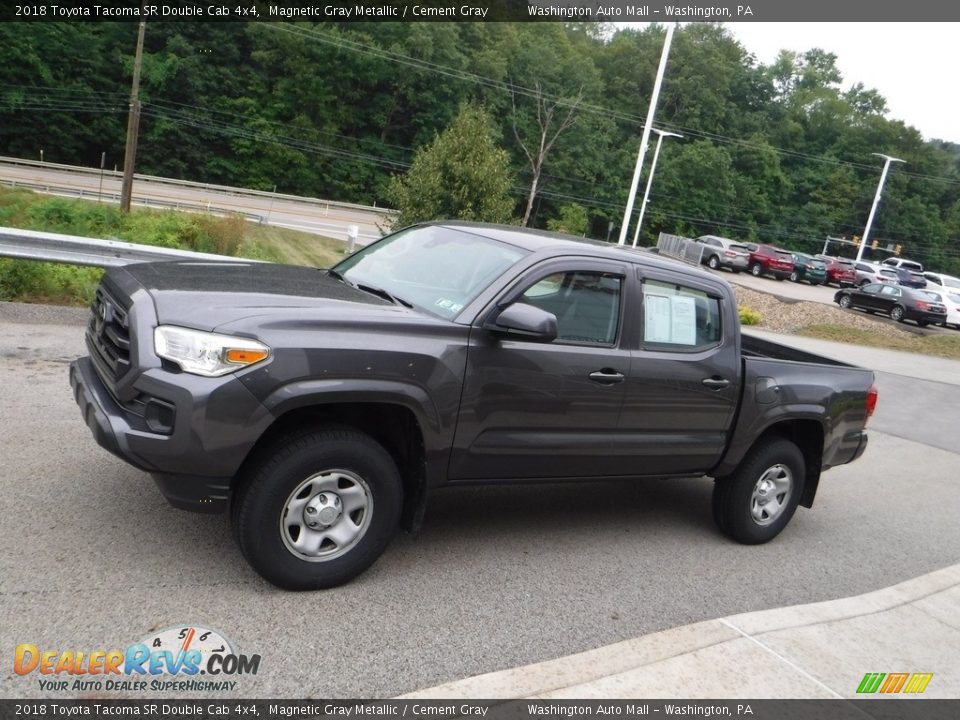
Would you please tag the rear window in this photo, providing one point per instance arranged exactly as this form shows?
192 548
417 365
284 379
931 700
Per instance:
930 296
785 255
915 267
741 248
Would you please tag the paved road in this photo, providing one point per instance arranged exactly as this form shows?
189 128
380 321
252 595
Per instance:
323 219
92 557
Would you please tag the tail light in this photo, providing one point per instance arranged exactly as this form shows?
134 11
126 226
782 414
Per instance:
921 305
871 401
729 254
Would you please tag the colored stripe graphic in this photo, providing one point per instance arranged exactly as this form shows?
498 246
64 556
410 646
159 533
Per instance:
892 683
870 682
918 682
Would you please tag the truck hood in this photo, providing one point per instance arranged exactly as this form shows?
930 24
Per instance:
206 295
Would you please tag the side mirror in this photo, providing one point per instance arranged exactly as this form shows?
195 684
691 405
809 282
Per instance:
526 322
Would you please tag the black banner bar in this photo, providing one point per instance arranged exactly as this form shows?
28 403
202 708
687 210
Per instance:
204 709
609 11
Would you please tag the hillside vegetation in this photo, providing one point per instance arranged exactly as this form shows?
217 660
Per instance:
778 152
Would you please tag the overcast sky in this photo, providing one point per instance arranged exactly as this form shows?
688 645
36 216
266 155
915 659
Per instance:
915 66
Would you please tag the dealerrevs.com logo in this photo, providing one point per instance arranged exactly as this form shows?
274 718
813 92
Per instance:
183 658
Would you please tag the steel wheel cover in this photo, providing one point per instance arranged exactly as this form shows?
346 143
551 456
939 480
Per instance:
326 515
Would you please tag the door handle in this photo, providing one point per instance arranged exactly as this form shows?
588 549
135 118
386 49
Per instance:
716 383
607 377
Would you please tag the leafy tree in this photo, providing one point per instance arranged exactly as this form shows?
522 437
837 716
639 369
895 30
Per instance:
462 174
573 220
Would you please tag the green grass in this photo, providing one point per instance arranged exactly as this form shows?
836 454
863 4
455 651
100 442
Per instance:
30 281
946 344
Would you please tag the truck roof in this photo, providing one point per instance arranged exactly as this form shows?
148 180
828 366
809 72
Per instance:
549 243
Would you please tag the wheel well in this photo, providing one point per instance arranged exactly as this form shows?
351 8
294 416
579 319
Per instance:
395 427
808 436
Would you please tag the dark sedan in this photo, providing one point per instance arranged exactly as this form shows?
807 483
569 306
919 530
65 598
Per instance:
900 303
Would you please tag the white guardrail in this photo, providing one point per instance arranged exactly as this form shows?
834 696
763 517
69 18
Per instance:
74 250
679 247
197 185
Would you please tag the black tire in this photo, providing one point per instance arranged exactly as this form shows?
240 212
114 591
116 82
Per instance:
756 269
845 301
794 276
268 486
714 262
896 313
733 496
863 282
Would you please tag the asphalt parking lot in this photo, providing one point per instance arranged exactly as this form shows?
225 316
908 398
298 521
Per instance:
91 557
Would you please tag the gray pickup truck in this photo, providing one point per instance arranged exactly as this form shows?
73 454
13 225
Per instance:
322 406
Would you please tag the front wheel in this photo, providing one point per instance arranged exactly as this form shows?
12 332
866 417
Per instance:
845 301
794 276
317 508
756 502
756 270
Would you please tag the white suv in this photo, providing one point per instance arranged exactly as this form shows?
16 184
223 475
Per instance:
905 264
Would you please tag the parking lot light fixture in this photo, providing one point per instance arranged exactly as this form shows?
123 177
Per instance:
661 134
876 200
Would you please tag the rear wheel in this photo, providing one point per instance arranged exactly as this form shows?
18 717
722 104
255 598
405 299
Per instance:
757 501
714 262
897 313
317 508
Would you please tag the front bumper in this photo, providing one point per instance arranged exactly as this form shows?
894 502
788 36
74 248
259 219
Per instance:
216 422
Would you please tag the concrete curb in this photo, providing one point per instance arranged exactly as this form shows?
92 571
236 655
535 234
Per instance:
785 652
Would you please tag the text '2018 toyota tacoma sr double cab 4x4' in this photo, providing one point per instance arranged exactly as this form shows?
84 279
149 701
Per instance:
321 406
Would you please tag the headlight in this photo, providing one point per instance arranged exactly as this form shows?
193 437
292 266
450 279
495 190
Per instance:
206 353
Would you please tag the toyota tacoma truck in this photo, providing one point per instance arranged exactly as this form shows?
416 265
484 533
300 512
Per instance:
322 407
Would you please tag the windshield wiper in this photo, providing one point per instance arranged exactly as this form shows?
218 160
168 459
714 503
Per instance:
380 292
339 276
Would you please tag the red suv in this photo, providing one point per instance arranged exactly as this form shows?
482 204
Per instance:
840 271
768 260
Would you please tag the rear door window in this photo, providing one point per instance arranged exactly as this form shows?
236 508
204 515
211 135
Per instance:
678 317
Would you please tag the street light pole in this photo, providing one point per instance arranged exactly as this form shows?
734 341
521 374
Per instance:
644 141
661 134
876 200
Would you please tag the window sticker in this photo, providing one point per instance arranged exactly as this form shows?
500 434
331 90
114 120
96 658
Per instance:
656 318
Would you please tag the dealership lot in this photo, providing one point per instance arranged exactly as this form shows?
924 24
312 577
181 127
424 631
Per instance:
91 557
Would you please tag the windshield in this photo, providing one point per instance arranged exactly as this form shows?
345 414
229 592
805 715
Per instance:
437 269
951 282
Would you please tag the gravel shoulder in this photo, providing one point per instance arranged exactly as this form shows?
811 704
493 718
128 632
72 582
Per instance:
786 315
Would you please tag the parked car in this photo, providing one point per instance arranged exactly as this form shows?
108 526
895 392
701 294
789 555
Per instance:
768 260
900 303
946 281
950 298
806 267
719 252
868 272
321 407
909 278
840 271
898 262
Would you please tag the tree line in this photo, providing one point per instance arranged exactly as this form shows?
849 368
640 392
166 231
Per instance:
779 153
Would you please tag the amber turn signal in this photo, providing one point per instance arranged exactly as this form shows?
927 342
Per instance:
245 357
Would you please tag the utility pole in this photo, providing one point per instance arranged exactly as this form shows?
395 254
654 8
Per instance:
133 126
651 111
